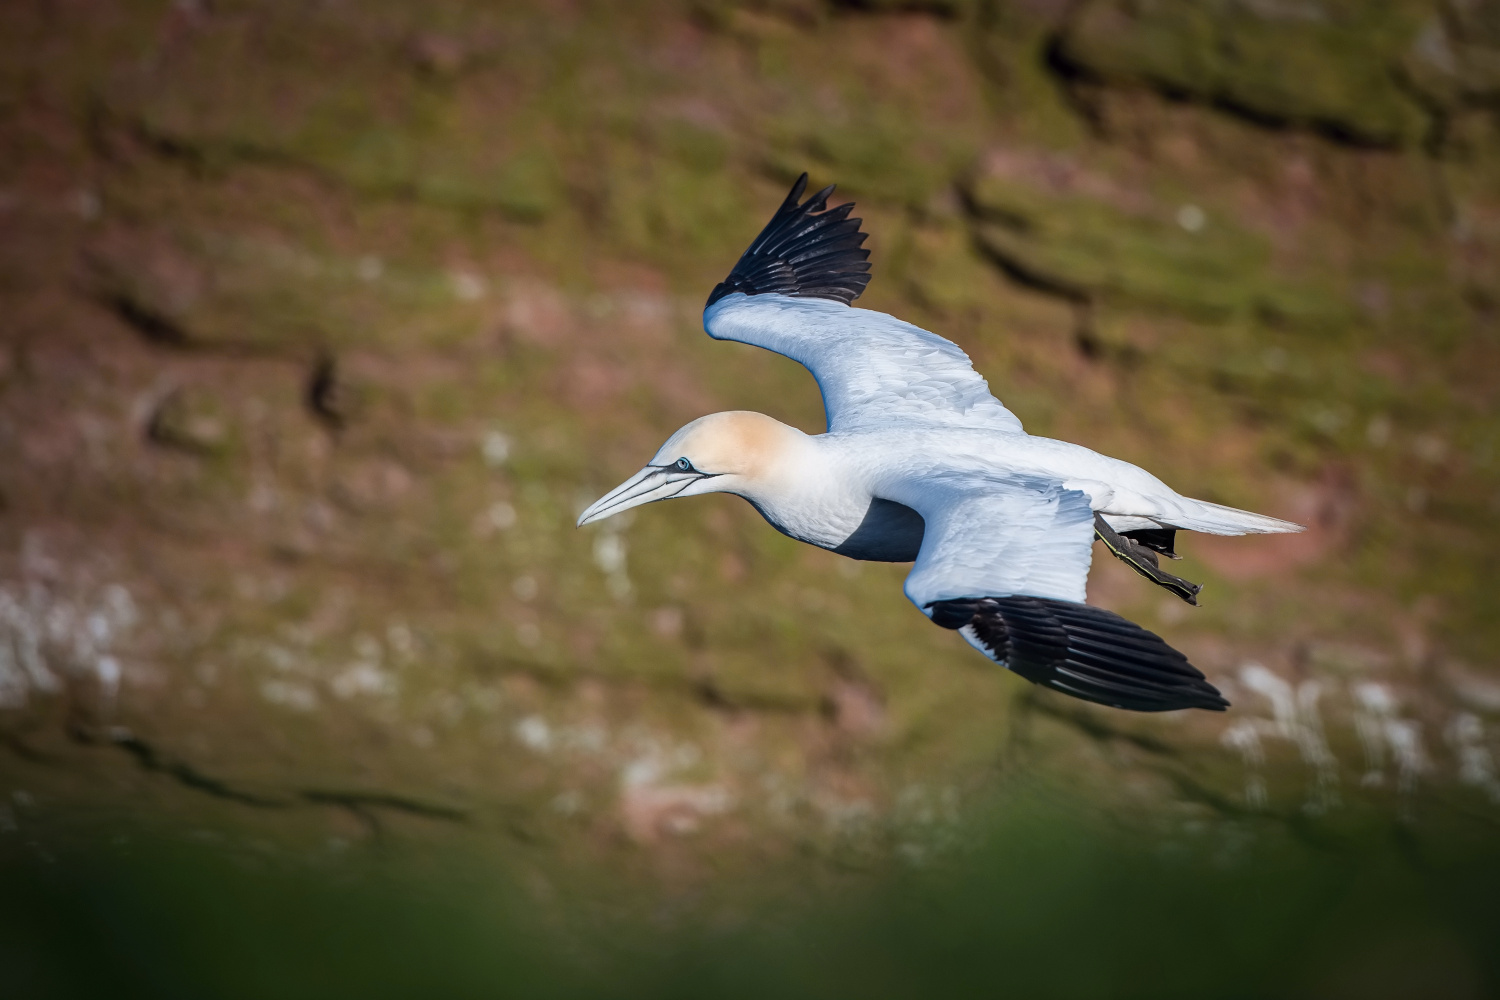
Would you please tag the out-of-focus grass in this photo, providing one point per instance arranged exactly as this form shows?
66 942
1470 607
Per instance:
1049 902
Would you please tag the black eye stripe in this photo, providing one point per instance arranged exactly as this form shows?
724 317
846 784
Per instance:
684 465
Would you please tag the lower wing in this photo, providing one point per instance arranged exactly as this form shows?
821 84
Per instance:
1005 562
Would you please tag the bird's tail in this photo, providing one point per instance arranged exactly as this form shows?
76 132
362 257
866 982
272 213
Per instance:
1215 519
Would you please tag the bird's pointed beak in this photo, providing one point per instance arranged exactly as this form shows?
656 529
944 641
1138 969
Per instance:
654 482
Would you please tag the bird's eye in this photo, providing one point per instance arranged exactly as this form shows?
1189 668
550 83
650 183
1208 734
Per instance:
684 465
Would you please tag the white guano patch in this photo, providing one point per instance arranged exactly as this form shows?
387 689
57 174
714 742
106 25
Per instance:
47 636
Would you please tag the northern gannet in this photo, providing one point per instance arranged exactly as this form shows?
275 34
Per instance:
921 463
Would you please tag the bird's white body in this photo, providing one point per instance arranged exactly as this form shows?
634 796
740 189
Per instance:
903 402
911 423
831 479
920 462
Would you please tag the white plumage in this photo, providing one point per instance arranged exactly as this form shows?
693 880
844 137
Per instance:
872 368
920 461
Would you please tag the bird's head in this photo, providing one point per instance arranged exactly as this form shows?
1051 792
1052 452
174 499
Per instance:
734 452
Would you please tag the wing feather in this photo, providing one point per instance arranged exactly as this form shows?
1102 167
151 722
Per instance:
871 367
988 537
1005 563
803 253
791 293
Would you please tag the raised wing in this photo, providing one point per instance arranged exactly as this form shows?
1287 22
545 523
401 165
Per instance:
791 293
1005 563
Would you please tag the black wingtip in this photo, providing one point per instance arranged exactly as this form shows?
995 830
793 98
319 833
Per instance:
1082 651
806 250
795 194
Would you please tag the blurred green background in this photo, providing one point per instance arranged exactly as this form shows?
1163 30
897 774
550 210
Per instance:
320 322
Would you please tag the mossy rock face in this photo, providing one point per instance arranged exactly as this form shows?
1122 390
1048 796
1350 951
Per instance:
193 420
1455 59
204 290
387 123
404 288
1327 65
1178 258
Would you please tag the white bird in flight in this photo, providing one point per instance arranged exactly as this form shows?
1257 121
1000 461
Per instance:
921 463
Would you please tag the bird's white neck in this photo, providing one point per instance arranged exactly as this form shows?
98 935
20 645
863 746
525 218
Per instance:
799 487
